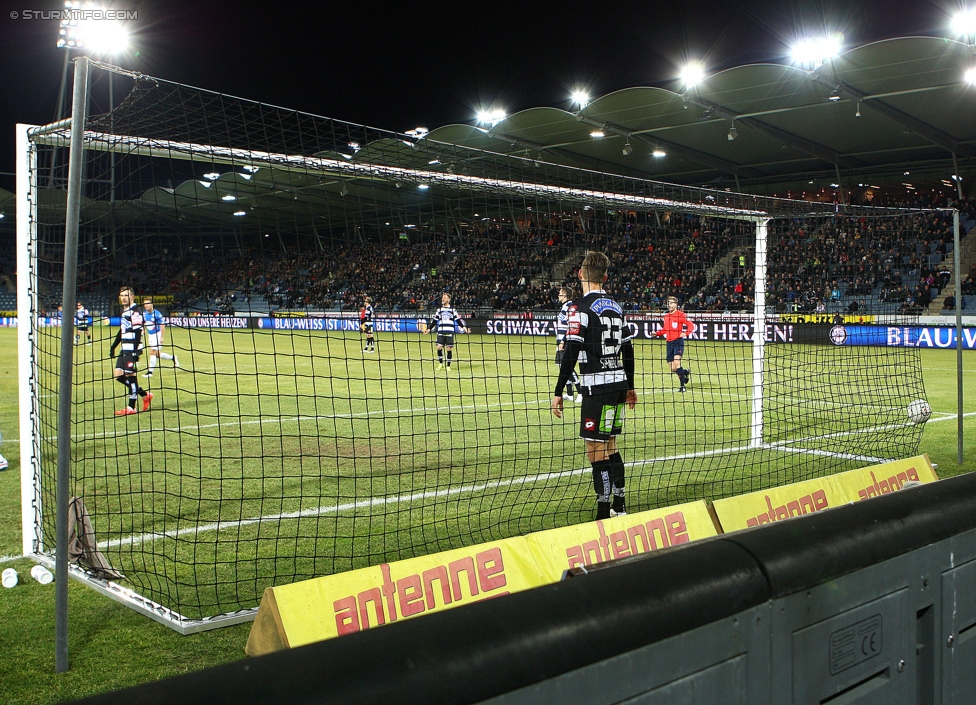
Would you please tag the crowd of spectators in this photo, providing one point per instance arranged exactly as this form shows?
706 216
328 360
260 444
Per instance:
843 263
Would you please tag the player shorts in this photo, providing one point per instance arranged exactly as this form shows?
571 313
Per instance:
82 327
559 357
126 362
676 348
602 415
445 340
152 341
366 327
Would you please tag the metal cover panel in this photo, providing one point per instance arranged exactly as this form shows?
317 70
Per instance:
854 656
959 634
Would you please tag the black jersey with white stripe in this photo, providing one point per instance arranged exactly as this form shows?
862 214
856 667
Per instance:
445 319
562 321
597 324
368 313
131 329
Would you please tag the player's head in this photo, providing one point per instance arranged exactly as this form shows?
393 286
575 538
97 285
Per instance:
445 299
672 303
594 268
565 294
127 296
79 305
147 303
368 299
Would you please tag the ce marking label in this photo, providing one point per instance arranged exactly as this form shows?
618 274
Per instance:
855 644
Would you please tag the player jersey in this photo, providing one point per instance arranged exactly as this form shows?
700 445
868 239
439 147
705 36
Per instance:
367 315
445 319
562 321
131 329
597 324
153 321
675 324
81 316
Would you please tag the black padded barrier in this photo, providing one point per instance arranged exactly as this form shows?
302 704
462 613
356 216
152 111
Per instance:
530 646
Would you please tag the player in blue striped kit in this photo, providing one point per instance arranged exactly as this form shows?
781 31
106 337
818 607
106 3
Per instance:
446 319
154 336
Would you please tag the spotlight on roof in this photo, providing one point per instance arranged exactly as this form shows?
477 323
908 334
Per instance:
240 213
816 51
597 134
692 74
580 98
733 133
970 76
491 117
628 150
658 153
964 23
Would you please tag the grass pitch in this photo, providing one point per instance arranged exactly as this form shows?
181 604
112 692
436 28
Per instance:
270 457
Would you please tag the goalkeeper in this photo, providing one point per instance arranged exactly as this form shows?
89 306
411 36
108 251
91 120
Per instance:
129 338
676 328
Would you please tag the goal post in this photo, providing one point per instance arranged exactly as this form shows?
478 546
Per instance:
290 433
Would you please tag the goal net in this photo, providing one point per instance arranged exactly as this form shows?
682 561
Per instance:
283 440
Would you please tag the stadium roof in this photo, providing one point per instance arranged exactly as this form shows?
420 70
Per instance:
877 110
870 114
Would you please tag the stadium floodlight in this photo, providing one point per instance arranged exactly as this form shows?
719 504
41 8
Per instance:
597 134
816 51
212 176
964 24
970 76
86 26
491 117
627 150
692 74
580 98
228 197
240 213
658 153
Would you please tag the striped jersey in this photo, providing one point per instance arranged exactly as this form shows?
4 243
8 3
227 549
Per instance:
153 321
131 329
81 316
367 315
446 319
597 324
562 321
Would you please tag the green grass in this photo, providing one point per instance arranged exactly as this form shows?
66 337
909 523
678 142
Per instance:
214 449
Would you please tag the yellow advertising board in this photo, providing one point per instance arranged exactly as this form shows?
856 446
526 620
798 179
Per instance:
333 605
559 550
779 503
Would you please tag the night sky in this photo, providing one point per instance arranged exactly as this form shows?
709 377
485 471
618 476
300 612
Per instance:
399 66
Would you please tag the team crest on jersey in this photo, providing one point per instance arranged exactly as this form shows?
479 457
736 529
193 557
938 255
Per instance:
589 424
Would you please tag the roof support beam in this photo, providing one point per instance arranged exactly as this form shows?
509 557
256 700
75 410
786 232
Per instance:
810 147
919 127
711 160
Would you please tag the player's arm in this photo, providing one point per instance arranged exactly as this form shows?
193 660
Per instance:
138 342
566 367
627 354
116 343
462 325
690 327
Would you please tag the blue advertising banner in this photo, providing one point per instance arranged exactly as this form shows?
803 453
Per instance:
384 325
903 336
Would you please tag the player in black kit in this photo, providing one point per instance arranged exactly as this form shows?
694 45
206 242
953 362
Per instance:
599 338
